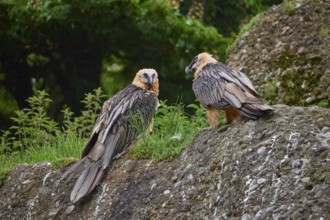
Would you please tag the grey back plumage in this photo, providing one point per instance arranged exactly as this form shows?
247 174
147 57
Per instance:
122 119
220 86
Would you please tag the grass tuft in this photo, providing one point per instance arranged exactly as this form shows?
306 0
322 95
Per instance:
173 130
324 103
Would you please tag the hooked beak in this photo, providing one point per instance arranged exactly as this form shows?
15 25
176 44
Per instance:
189 68
151 80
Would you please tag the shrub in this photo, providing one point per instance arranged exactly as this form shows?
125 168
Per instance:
35 137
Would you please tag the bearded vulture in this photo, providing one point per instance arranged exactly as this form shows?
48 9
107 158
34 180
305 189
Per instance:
218 87
122 119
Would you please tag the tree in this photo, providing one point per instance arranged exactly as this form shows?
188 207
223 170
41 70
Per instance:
226 15
66 46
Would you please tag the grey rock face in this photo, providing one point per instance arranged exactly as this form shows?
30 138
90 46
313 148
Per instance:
273 168
286 53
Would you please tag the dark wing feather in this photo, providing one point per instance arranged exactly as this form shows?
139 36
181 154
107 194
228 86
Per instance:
209 90
220 86
236 77
115 130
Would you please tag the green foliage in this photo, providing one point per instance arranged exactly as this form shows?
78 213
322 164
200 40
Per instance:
173 130
269 90
289 5
68 46
7 103
324 103
7 164
32 125
243 30
35 137
249 25
92 106
227 15
168 42
296 82
63 162
327 178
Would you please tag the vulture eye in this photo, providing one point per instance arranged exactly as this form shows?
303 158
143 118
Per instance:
145 75
195 59
153 75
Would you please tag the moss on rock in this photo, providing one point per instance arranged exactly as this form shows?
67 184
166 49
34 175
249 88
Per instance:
297 83
286 54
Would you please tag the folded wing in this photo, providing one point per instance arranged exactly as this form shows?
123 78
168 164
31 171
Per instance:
121 120
220 86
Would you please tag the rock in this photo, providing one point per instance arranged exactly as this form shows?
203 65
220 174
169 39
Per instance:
298 110
69 209
305 179
26 182
261 150
246 217
283 172
289 57
54 211
129 165
213 165
301 49
261 181
310 99
220 201
45 190
297 164
271 209
185 207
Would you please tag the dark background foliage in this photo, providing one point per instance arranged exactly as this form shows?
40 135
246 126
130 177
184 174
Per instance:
71 47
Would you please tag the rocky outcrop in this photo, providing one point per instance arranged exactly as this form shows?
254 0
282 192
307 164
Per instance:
287 53
277 167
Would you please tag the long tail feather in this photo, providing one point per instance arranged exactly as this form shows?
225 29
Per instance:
76 169
92 167
255 111
87 181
